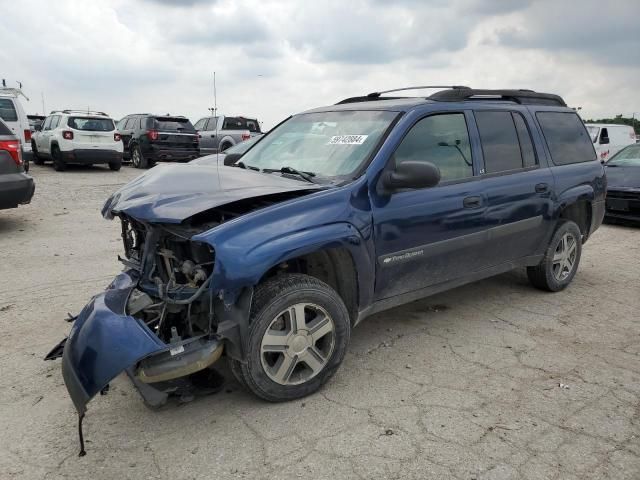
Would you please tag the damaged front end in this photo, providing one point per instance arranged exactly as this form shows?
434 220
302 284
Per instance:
156 320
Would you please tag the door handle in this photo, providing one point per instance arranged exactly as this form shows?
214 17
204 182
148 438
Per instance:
213 136
542 188
472 202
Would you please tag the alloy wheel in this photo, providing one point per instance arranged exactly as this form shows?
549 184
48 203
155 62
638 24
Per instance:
298 344
564 257
135 158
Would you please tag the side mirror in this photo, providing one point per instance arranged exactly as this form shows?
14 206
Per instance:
411 174
604 140
231 158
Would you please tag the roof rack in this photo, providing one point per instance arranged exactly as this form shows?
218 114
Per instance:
522 96
378 95
459 93
89 112
12 91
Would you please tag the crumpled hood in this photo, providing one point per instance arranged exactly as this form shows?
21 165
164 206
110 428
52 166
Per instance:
172 193
623 177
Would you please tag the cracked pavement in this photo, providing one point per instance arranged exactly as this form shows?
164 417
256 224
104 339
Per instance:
493 380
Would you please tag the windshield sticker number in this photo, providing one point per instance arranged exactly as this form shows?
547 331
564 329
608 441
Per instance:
347 139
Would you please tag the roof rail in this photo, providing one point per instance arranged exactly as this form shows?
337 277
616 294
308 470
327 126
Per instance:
89 112
522 96
378 95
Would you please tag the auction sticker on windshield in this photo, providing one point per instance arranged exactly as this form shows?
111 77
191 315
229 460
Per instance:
347 139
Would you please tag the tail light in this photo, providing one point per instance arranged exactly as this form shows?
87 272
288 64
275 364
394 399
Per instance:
27 135
196 138
116 137
13 147
152 134
246 136
67 135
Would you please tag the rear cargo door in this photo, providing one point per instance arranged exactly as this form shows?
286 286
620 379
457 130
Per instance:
175 132
91 133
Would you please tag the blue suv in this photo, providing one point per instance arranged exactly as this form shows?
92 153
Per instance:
336 214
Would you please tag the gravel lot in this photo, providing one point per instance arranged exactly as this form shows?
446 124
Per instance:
494 380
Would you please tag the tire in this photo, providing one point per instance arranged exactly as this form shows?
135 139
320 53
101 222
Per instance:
36 158
25 165
137 158
225 146
561 259
58 164
279 372
115 166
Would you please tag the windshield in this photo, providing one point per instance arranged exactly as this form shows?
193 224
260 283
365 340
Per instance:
242 146
91 124
593 133
627 157
328 144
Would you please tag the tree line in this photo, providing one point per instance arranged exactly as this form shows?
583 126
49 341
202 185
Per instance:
619 120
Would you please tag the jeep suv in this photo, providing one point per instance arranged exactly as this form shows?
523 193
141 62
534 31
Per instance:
151 138
77 136
337 213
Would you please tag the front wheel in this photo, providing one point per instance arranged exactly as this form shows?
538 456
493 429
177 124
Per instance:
36 158
560 262
298 335
115 166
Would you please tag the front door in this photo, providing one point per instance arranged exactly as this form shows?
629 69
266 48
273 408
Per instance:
428 236
208 137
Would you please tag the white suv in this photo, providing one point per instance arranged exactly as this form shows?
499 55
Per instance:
74 136
13 114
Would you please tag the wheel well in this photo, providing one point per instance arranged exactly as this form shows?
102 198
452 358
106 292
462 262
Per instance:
333 266
580 213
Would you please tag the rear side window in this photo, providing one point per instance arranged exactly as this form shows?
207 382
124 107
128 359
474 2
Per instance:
8 110
91 124
443 140
169 124
500 144
526 145
566 137
130 123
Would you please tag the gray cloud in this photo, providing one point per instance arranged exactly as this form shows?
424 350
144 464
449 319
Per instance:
606 32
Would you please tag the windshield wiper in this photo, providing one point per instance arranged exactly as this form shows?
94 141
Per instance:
304 175
243 165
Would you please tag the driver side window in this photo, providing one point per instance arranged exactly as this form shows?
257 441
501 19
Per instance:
443 140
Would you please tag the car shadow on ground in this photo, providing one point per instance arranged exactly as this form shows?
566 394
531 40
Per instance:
72 168
13 223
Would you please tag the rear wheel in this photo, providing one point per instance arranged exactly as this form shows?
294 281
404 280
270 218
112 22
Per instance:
137 158
36 158
560 263
298 335
58 164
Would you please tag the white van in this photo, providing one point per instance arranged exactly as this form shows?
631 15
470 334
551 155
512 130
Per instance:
14 116
609 138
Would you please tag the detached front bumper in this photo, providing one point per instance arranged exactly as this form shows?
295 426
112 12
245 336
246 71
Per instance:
104 341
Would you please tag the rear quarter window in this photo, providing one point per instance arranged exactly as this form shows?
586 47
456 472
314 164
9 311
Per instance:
4 130
8 110
567 137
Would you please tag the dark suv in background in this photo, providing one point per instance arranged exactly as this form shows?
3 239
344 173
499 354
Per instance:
151 138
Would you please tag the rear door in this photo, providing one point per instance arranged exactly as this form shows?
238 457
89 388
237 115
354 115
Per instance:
432 235
518 186
92 133
126 127
175 133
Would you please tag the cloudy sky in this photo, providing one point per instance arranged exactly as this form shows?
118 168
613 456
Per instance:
277 57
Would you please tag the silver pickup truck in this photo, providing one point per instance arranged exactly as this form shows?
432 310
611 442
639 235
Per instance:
219 133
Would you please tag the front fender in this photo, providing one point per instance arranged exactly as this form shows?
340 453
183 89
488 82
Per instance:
238 265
